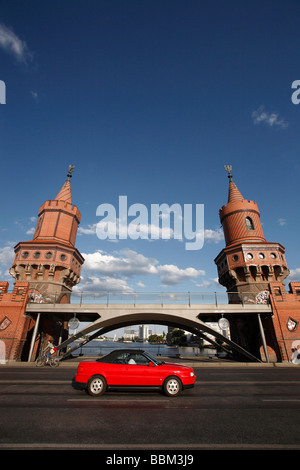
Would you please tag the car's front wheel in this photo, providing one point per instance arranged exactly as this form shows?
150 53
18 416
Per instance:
96 385
172 386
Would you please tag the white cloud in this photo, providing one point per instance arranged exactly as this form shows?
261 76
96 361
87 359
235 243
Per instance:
90 230
204 284
6 255
271 119
111 271
13 45
172 275
294 275
125 263
34 95
281 221
213 235
102 283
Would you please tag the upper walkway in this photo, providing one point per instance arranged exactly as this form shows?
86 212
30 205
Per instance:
157 298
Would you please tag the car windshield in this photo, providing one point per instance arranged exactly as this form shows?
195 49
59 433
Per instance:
129 356
154 360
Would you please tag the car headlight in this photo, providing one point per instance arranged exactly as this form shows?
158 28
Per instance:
192 374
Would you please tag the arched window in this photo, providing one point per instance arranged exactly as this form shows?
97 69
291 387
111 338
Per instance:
249 223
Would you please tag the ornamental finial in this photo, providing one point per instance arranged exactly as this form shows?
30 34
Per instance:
70 171
228 168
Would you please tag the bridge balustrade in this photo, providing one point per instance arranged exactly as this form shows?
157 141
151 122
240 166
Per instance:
154 298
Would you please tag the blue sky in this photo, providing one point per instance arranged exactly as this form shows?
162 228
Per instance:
149 99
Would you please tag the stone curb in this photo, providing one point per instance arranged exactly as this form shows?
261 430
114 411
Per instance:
73 363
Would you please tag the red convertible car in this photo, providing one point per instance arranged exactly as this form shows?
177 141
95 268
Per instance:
124 368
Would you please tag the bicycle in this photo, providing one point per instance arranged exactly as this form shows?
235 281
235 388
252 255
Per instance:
43 360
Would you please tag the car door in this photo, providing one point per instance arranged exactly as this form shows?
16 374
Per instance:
116 371
140 372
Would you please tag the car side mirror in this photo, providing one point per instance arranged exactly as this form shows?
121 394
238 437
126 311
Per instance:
151 364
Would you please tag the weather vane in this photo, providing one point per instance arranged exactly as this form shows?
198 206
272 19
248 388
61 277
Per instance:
70 171
228 168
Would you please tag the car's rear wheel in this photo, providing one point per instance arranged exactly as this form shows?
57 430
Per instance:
96 385
172 386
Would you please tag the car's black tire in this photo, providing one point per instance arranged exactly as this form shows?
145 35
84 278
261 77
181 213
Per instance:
172 386
96 385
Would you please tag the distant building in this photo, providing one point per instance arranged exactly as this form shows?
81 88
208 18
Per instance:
143 332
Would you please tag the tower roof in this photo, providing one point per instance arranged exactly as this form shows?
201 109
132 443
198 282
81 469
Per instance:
65 192
234 194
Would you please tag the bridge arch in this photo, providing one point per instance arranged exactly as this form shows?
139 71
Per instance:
195 326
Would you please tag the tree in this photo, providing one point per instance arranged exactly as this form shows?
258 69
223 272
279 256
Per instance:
178 337
156 339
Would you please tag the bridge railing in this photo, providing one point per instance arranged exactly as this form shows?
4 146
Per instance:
158 298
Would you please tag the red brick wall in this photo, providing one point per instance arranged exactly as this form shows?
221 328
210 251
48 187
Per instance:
286 310
13 323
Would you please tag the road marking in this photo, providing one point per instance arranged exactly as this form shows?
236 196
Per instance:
117 400
281 399
35 382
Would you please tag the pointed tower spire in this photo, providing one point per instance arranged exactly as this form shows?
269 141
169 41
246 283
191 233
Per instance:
233 193
65 192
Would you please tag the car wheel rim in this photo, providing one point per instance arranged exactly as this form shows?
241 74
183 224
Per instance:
172 387
97 386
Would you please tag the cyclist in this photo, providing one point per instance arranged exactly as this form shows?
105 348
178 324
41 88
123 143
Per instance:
49 349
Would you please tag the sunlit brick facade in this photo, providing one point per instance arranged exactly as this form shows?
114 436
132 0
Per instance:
253 270
45 269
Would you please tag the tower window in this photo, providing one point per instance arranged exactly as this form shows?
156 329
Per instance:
249 223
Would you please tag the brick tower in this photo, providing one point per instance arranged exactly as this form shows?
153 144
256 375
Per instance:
248 263
50 262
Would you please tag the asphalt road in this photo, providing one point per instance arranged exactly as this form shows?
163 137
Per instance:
232 408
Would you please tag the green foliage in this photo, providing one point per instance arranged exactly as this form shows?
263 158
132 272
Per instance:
157 339
178 337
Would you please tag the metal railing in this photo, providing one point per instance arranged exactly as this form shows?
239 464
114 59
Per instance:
156 298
